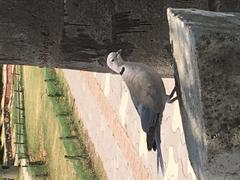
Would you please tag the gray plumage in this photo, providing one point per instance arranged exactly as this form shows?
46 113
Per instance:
148 95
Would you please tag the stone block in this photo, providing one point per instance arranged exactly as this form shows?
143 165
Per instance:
206 49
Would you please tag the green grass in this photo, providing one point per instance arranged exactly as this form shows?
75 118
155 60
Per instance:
58 92
14 109
19 116
51 133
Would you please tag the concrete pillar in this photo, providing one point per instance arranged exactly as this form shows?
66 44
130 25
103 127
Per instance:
79 34
206 47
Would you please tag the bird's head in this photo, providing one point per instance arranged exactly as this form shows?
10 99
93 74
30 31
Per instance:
115 61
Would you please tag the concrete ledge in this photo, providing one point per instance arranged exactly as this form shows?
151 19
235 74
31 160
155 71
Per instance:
113 125
206 47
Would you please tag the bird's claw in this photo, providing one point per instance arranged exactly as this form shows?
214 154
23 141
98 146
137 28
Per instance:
170 99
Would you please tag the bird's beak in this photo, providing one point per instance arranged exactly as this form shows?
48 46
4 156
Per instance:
119 51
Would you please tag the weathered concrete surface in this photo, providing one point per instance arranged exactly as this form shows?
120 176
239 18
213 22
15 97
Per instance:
113 125
79 34
224 5
30 32
206 47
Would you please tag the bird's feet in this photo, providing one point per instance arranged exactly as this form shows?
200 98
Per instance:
170 97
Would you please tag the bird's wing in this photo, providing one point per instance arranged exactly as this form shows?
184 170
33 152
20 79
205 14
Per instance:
148 117
150 90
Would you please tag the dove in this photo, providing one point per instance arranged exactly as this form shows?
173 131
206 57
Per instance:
148 95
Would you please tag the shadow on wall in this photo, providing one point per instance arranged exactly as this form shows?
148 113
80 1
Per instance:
85 48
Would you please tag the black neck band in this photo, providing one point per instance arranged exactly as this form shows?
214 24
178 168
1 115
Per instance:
122 71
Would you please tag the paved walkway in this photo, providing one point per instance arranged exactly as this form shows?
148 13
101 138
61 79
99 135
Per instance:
107 112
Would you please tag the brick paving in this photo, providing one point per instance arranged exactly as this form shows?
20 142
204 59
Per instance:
113 126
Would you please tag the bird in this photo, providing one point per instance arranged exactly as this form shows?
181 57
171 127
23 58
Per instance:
149 97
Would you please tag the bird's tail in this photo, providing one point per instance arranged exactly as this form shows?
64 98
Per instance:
151 139
159 151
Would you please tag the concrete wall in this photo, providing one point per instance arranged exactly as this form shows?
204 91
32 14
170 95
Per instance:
108 114
206 48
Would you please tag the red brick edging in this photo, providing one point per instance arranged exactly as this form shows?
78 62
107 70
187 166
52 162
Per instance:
121 137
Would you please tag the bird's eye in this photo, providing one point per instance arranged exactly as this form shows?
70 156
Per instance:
112 60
